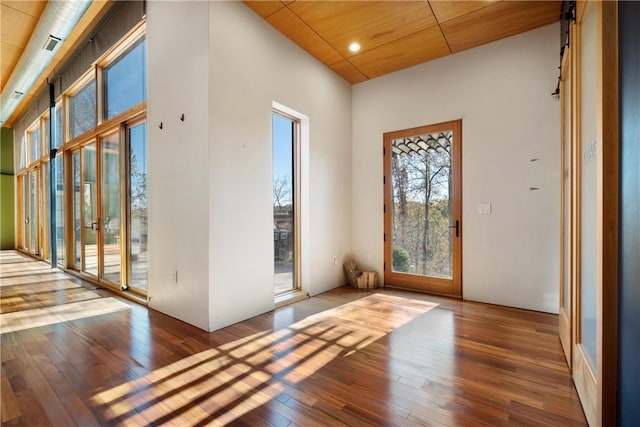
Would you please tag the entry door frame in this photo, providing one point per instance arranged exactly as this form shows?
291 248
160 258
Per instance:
449 287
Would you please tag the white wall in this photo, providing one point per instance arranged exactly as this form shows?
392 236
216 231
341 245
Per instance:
178 81
502 93
251 66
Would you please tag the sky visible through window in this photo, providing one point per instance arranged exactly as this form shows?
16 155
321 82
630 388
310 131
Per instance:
282 151
126 83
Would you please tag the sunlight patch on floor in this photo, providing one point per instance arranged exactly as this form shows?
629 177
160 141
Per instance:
221 384
33 318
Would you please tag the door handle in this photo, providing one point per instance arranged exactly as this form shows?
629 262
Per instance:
457 227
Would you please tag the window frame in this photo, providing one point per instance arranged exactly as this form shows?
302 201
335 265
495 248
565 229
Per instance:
68 144
296 198
112 56
35 126
78 87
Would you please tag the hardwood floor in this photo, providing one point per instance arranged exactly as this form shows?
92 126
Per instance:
345 357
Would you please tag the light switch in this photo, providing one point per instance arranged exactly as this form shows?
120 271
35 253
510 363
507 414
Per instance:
484 208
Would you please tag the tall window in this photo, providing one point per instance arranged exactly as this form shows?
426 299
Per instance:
138 208
59 185
33 214
83 110
110 202
45 206
126 81
77 225
284 138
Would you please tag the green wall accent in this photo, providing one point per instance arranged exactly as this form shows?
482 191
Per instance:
7 191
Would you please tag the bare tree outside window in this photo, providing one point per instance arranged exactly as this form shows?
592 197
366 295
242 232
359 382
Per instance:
421 177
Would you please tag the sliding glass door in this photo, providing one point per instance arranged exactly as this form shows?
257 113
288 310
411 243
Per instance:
110 252
137 207
99 199
89 211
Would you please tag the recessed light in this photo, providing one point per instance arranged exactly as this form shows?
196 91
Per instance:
354 47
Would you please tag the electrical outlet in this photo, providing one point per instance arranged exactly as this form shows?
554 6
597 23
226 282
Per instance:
335 260
174 276
484 208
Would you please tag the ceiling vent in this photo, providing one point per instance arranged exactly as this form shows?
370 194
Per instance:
51 43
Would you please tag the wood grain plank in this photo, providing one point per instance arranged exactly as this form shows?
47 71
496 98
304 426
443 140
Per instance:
345 357
289 24
370 23
412 50
264 8
448 10
497 21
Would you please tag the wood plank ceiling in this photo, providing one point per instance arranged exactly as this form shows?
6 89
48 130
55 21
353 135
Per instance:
393 34
19 19
398 34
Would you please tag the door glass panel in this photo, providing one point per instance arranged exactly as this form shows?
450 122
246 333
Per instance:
90 209
138 206
59 183
111 207
283 204
588 156
25 211
46 226
421 194
33 217
77 209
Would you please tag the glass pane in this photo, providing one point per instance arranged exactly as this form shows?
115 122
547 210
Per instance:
59 172
23 153
77 224
45 137
126 81
588 179
111 208
25 211
138 208
283 213
566 232
46 226
59 125
34 138
421 185
33 218
83 110
90 208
